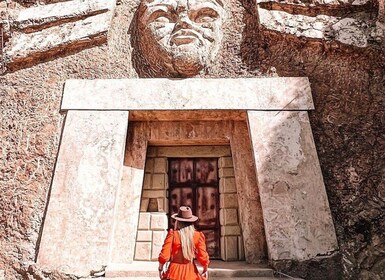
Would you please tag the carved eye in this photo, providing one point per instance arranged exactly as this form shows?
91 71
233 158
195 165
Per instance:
205 15
162 17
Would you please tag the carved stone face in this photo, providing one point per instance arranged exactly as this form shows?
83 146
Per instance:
180 37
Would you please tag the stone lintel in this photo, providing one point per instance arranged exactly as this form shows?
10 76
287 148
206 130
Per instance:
188 94
188 115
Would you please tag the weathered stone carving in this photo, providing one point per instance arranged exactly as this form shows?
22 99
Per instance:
45 32
347 22
176 38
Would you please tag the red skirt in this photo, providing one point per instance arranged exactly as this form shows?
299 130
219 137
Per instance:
188 271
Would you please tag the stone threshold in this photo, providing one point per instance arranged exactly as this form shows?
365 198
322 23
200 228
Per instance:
217 269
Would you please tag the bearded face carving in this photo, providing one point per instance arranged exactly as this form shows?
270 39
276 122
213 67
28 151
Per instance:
178 37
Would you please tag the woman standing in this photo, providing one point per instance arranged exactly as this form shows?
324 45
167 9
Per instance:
181 246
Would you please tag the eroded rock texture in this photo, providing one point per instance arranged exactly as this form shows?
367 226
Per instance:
348 124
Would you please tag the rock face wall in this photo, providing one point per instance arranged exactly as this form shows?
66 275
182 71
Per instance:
342 53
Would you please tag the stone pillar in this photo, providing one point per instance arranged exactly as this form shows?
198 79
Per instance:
296 212
128 200
231 234
88 172
248 196
153 222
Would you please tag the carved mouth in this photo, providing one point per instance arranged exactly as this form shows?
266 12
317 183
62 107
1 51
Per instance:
184 37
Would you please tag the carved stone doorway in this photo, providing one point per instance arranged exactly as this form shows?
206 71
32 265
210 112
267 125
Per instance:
268 163
194 182
202 177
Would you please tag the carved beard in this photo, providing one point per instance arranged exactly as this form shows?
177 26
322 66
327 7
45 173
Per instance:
189 59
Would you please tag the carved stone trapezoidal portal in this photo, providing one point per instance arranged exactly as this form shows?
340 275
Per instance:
176 38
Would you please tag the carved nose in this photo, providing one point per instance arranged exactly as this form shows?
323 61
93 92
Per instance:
184 21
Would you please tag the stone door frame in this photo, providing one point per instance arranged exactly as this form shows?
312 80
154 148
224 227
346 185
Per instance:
155 186
279 144
233 133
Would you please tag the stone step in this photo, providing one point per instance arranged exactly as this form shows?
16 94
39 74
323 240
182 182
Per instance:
210 278
253 278
217 269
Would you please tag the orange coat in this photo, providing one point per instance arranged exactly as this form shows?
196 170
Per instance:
180 268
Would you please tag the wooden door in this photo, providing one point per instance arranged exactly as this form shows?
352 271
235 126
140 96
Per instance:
193 182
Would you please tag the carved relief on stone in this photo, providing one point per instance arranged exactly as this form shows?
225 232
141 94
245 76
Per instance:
176 38
44 32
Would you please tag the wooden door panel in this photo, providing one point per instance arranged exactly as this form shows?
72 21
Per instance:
206 171
207 207
212 243
181 171
194 182
180 196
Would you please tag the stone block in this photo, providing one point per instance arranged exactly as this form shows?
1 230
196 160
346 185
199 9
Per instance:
34 45
151 152
160 165
241 249
348 31
92 142
221 217
149 168
227 185
161 204
158 181
157 242
165 205
193 151
228 216
225 162
126 214
292 217
313 4
159 221
248 194
219 94
143 251
226 172
144 235
147 181
153 194
228 201
230 230
144 221
43 14
144 204
231 248
223 249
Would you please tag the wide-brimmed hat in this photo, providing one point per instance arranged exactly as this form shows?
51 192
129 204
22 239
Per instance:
185 215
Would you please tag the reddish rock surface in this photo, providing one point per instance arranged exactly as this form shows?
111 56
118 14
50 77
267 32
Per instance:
348 87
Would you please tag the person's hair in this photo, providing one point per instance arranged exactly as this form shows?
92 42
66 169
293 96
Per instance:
186 231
